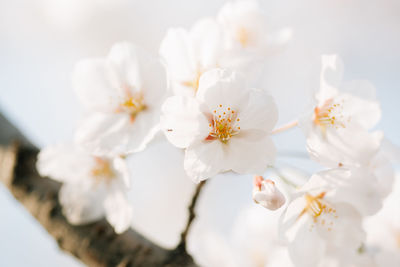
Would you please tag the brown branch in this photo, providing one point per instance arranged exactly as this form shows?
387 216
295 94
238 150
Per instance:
94 244
192 215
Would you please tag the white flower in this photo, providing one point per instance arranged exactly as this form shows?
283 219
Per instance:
256 241
225 127
209 248
383 229
123 94
237 38
93 187
324 222
337 130
253 242
247 37
267 194
189 54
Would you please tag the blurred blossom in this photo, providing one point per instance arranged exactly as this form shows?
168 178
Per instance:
72 14
247 36
256 241
337 131
122 94
323 223
239 39
93 187
161 191
187 55
253 242
383 230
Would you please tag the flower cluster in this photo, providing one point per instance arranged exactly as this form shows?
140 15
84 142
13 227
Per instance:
238 38
122 96
199 93
323 221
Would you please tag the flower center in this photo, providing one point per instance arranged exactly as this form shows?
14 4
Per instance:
330 114
315 207
224 124
195 82
243 36
102 170
133 104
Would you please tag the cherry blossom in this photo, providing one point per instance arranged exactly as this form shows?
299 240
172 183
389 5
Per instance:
383 230
323 222
337 128
224 127
93 187
188 54
247 35
122 94
238 38
255 239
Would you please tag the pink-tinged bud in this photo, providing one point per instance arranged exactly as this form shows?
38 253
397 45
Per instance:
267 194
258 181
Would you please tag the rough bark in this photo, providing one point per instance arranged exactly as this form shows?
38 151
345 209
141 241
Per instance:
94 244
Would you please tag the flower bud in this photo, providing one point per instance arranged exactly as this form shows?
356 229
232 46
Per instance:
267 194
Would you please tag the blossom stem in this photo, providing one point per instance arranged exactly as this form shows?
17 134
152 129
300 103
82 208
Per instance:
192 215
285 127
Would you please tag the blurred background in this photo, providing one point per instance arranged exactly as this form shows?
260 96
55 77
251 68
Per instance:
41 40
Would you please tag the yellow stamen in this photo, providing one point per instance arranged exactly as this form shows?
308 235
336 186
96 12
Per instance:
132 105
102 170
223 125
243 37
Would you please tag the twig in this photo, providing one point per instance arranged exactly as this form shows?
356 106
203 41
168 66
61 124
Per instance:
192 215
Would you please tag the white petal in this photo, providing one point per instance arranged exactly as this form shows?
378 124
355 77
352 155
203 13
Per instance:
177 53
117 134
261 112
360 189
104 133
118 211
360 88
222 87
384 173
121 166
361 112
82 203
64 163
250 154
140 71
307 248
331 77
182 121
245 15
346 231
123 57
206 39
95 84
142 130
347 147
204 159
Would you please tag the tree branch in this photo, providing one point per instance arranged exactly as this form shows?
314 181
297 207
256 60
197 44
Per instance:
192 214
95 244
